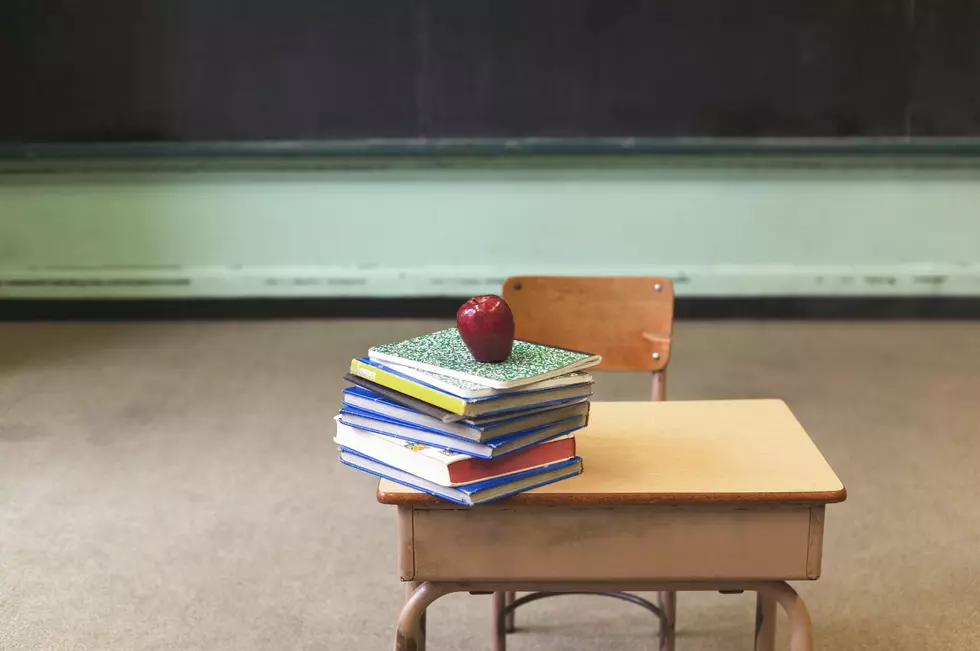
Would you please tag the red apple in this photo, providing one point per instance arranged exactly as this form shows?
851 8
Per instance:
486 325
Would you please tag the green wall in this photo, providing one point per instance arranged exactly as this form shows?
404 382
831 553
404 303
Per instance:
717 230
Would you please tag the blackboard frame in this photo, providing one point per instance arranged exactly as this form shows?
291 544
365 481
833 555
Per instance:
810 152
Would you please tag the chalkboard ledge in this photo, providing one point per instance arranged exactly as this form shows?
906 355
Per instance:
796 308
353 154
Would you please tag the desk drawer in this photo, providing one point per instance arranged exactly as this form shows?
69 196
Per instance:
598 543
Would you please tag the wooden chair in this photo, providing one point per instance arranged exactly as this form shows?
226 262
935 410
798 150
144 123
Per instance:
627 320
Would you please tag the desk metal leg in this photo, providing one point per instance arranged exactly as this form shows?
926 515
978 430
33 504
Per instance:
409 591
765 623
410 637
800 626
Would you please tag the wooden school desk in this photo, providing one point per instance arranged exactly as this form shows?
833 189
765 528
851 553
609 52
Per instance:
698 495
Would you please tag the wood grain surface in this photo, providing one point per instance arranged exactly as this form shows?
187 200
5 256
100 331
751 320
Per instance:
683 452
627 320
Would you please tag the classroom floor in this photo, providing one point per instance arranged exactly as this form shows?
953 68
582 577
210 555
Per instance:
174 487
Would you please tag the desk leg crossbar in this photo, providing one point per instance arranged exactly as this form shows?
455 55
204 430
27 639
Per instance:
410 633
509 602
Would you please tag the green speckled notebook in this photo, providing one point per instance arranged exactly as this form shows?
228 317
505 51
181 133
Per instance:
444 352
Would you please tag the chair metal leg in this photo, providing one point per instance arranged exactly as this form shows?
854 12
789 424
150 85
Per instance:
501 610
765 623
658 388
510 623
668 605
668 598
503 618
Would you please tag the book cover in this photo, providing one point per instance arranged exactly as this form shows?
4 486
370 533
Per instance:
404 399
384 376
497 417
445 353
487 450
471 494
484 430
467 389
450 468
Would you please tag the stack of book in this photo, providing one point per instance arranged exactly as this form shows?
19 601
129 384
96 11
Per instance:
424 413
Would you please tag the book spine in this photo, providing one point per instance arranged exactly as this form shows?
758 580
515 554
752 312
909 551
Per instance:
402 385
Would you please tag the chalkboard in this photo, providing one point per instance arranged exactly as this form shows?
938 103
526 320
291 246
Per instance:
253 71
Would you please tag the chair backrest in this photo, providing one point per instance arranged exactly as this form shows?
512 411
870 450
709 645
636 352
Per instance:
627 320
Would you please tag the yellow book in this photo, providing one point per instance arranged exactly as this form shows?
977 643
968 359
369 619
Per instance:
455 407
409 387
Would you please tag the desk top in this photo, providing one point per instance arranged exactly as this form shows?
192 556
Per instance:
682 452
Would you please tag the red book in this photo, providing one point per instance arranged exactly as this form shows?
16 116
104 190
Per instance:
451 468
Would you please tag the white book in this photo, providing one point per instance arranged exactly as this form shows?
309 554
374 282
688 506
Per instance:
445 353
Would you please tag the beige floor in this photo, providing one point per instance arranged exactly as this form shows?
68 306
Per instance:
174 487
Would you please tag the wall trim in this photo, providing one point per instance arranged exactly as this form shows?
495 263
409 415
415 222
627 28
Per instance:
783 308
927 280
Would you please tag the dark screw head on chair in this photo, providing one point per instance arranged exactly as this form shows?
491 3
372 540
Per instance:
517 285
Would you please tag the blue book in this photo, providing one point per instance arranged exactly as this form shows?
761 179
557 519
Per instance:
494 449
470 494
480 430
